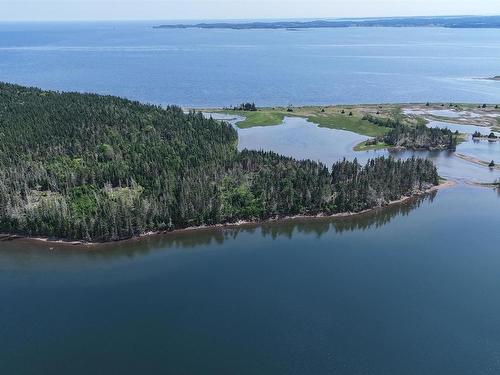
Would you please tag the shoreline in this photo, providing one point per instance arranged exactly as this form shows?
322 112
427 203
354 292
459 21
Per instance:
338 116
486 138
12 237
476 161
494 185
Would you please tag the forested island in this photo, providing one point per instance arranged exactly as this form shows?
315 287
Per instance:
448 22
99 168
412 136
419 137
491 137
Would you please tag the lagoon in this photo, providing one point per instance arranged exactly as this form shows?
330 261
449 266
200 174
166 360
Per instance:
298 138
461 128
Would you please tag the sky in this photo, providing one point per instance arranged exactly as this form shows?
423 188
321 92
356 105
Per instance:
45 10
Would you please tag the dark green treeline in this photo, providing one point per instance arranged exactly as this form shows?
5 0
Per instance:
98 168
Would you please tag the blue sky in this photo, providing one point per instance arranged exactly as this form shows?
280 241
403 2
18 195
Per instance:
234 9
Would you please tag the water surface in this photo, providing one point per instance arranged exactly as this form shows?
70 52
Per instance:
412 289
403 291
461 128
300 139
215 68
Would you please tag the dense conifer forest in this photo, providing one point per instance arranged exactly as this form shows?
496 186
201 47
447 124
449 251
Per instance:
99 168
414 136
245 107
421 137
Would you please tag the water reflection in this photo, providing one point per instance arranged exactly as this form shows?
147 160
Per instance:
301 139
26 251
481 149
461 128
319 226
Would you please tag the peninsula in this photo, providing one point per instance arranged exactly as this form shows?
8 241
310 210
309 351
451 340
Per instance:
462 22
100 168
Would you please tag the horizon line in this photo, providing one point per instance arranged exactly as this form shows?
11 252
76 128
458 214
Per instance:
240 19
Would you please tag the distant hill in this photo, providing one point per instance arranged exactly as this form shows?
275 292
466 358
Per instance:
461 22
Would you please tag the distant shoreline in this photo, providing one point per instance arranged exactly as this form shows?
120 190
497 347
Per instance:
60 241
457 22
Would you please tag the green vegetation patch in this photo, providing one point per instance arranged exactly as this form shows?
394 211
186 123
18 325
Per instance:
350 123
239 201
342 118
84 200
366 147
259 118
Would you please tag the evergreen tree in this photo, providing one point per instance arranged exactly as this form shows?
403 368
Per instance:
99 168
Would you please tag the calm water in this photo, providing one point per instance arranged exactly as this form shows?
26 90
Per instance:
410 290
225 67
301 139
461 128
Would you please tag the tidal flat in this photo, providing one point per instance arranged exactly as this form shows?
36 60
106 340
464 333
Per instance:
330 133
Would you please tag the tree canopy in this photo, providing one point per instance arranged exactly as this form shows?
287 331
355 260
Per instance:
99 168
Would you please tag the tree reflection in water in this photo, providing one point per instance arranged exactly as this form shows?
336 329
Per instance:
206 237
